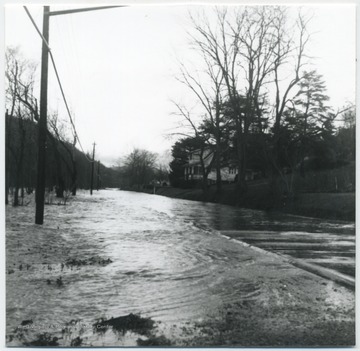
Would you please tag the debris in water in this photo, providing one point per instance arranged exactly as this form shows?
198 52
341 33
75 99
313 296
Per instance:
154 341
90 261
76 342
131 322
27 322
43 340
59 282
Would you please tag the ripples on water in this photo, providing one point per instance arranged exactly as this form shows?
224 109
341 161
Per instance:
168 260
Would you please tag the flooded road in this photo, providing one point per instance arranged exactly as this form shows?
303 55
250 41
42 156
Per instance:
319 242
119 253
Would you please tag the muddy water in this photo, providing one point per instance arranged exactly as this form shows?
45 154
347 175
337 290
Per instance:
164 258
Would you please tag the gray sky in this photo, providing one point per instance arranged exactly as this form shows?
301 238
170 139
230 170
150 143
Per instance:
118 66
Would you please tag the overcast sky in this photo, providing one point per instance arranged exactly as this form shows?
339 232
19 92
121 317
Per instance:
118 66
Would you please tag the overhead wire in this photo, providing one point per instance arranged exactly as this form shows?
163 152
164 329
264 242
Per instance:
73 39
58 79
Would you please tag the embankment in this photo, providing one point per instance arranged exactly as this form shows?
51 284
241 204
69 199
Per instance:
338 206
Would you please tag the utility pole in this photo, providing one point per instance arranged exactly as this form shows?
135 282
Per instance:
7 125
41 179
98 176
40 186
92 170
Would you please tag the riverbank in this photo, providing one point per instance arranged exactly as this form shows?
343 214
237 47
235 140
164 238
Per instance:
338 206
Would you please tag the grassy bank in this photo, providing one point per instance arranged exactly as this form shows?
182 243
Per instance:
340 206
327 193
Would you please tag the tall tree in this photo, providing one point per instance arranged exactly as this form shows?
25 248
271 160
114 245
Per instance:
311 117
180 153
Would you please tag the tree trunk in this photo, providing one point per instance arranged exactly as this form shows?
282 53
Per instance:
16 193
6 190
241 182
218 167
60 188
205 185
7 165
21 167
74 179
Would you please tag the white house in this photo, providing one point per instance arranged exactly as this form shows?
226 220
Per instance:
193 169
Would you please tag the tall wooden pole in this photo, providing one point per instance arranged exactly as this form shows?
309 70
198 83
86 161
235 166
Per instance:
41 179
7 165
92 170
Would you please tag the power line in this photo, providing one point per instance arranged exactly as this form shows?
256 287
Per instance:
58 79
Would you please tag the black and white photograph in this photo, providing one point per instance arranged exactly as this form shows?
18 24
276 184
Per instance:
179 175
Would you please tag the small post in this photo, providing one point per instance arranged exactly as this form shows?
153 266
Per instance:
92 170
98 175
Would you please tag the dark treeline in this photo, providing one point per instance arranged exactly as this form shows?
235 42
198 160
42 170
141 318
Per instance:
21 163
140 170
67 168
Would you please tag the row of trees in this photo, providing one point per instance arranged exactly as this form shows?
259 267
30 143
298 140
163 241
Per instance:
140 168
258 105
67 167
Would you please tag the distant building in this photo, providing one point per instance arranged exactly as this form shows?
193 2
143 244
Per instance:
193 169
229 173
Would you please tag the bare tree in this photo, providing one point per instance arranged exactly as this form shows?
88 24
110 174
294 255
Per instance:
21 108
288 51
59 136
208 90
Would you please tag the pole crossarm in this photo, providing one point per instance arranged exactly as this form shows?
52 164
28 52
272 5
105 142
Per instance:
85 9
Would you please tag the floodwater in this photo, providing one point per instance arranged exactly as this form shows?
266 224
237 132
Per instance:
119 252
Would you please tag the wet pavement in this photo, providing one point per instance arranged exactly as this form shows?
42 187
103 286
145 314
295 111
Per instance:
332 251
317 242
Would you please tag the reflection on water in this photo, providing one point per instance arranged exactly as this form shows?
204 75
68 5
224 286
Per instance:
168 259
